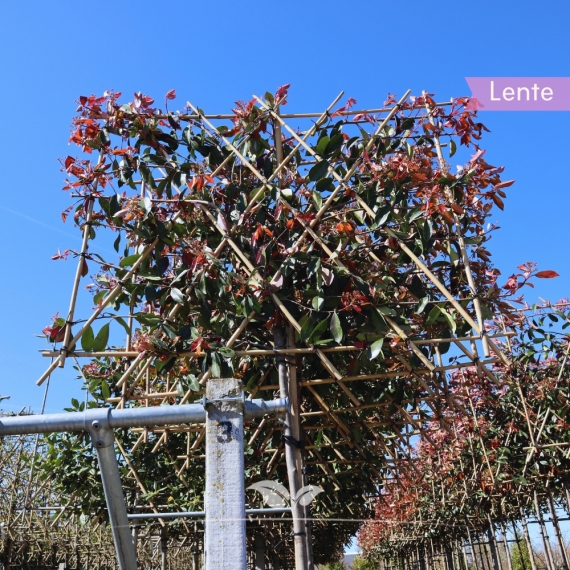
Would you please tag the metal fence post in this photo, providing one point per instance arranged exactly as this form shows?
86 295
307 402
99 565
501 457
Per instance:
224 497
97 424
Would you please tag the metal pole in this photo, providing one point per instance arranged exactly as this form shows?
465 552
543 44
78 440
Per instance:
224 497
97 424
129 417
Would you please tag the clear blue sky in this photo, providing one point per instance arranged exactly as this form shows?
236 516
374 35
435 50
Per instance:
218 51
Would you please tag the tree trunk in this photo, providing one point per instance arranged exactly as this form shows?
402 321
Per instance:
291 436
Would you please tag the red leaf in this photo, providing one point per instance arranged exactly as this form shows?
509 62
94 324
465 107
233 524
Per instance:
344 227
498 201
171 95
474 104
477 155
350 103
281 93
548 274
505 184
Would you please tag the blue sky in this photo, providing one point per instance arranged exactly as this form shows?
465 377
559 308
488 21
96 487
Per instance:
217 52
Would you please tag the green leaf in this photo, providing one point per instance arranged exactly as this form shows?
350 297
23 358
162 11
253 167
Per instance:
287 193
216 365
98 296
100 342
452 148
336 328
122 322
202 284
359 217
318 171
147 319
450 319
177 295
375 349
433 316
322 144
227 352
146 204
305 328
386 311
87 340
150 277
415 214
105 392
193 383
334 144
317 200
317 303
382 216
319 330
130 260
422 305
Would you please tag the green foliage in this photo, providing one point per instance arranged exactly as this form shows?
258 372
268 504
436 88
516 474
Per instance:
520 556
334 566
360 563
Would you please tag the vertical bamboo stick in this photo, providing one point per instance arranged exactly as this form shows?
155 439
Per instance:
506 545
473 555
543 533
556 526
493 545
78 272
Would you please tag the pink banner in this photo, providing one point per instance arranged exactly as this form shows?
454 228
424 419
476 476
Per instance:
519 93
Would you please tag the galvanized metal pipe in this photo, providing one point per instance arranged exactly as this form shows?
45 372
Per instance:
97 424
130 417
202 514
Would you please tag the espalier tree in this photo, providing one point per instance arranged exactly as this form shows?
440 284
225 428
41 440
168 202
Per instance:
337 252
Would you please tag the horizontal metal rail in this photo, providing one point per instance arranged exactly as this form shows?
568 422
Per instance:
202 514
129 417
